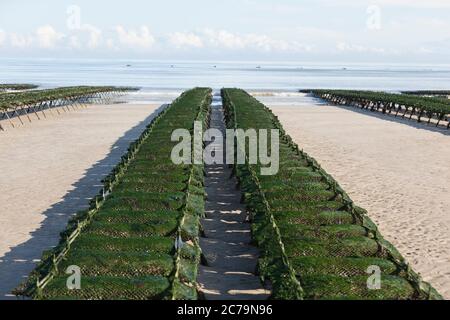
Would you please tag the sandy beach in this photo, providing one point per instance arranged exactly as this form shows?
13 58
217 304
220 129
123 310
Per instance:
50 169
397 171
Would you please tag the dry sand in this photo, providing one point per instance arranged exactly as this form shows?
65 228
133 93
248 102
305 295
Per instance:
398 171
50 169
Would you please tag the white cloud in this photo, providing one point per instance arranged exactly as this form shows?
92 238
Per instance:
94 33
2 37
131 38
182 39
91 37
110 44
87 35
425 50
20 41
347 47
440 47
47 37
228 40
74 42
220 41
224 39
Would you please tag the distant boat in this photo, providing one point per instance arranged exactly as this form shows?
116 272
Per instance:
258 67
128 65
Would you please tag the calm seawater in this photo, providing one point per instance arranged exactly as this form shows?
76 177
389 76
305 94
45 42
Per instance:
163 80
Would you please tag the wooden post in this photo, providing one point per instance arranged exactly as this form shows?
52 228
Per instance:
412 113
10 121
26 113
439 120
72 102
398 110
63 106
18 115
56 106
47 104
34 110
42 110
406 110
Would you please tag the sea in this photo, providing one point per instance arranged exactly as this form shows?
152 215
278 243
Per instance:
162 81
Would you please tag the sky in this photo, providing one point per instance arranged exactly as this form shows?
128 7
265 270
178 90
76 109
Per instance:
379 31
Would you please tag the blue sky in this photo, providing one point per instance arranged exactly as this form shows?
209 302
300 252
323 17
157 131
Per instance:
311 30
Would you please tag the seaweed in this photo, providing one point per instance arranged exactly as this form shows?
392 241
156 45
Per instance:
139 239
305 224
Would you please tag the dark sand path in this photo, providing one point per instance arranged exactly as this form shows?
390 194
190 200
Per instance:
230 274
